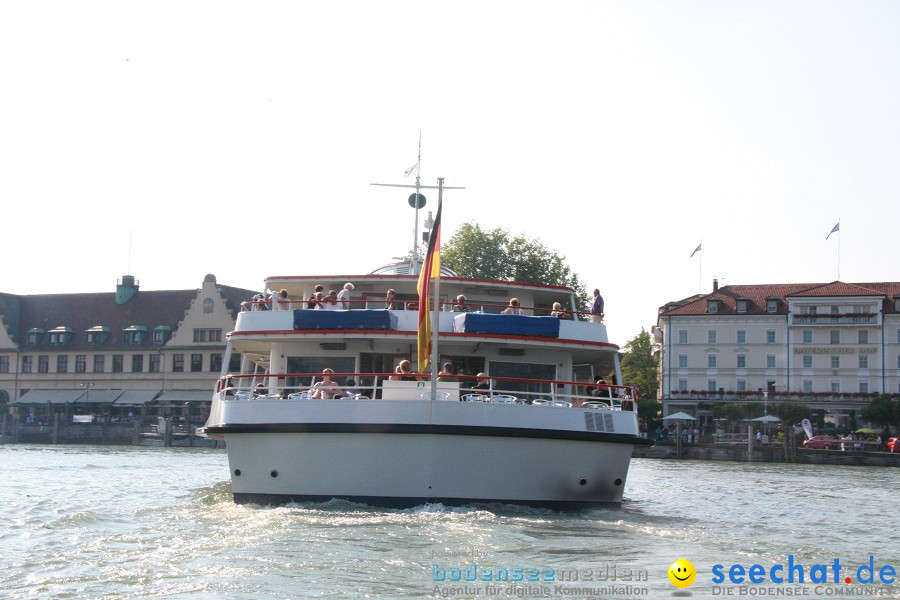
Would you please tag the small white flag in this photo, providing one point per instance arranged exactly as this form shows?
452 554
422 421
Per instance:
834 229
697 249
413 170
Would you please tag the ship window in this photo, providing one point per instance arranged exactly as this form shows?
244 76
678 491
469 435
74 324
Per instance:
315 364
529 390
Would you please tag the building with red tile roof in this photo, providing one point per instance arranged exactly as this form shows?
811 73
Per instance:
833 346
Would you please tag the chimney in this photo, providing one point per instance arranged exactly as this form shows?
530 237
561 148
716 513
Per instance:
715 284
126 288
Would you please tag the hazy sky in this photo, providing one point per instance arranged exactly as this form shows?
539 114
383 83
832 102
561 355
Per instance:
240 138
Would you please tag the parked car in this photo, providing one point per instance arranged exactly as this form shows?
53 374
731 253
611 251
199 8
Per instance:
819 442
893 444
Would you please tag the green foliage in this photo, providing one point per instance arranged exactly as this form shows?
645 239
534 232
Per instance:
495 254
640 365
791 413
731 411
882 411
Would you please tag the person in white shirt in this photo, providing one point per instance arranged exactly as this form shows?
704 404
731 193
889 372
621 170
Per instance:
344 296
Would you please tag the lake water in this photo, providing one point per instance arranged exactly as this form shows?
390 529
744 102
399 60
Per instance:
123 522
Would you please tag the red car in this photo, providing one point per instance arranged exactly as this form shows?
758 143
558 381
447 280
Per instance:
893 444
819 442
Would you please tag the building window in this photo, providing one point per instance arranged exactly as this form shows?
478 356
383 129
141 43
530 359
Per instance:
196 363
835 336
43 364
711 361
683 337
807 336
99 362
207 335
772 305
208 305
863 336
27 362
807 385
770 336
62 363
178 363
682 385
118 365
835 310
741 361
742 306
711 385
835 362
770 361
137 363
742 385
682 361
835 386
4 364
863 387
863 361
741 336
807 361
811 310
215 363
711 336
154 363
81 363
712 306
235 364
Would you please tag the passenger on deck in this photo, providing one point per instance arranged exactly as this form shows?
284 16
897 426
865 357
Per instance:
389 303
326 389
311 302
447 373
403 372
344 296
597 308
283 302
484 383
319 301
331 302
513 308
559 312
602 390
460 305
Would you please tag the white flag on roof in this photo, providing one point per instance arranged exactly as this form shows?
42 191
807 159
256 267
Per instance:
413 170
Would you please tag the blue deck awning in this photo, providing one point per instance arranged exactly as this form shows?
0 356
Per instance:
342 319
506 324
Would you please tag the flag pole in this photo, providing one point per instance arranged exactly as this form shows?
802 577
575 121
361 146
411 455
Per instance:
436 315
415 252
700 272
839 249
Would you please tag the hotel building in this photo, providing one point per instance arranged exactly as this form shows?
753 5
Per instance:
833 346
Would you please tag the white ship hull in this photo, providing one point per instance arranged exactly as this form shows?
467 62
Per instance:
406 453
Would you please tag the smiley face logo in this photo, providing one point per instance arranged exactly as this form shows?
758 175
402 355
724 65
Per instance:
682 573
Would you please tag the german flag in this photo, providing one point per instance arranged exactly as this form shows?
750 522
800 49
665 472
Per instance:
431 269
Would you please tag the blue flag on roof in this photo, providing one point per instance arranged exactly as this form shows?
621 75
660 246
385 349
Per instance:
834 229
697 249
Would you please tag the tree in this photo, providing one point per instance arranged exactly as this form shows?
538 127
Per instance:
882 411
494 254
640 365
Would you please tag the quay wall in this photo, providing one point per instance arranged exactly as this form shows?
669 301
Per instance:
772 453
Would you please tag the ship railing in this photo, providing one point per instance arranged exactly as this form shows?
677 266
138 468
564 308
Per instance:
501 390
277 304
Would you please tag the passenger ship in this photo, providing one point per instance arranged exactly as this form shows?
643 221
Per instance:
540 434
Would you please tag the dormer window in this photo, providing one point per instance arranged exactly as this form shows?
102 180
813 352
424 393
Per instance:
897 303
96 334
161 334
34 336
135 334
743 305
772 305
60 335
712 306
